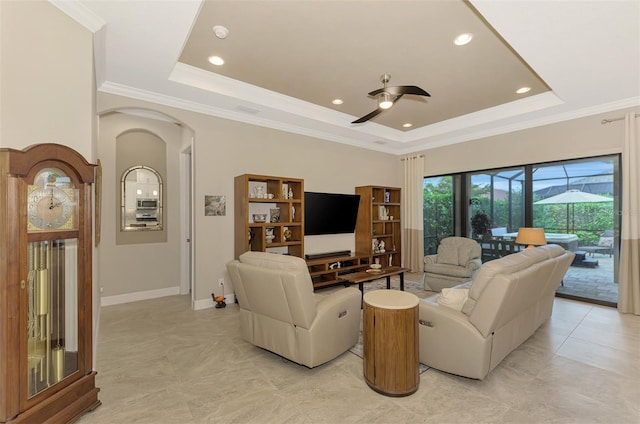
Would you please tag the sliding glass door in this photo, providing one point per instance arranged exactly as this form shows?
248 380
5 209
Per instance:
575 201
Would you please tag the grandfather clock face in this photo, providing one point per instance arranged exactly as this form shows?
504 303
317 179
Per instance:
52 202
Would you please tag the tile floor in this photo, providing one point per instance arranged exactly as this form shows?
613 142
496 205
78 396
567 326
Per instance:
161 362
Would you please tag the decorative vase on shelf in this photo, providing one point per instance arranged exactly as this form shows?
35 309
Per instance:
269 234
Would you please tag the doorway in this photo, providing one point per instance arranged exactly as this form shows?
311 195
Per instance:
186 211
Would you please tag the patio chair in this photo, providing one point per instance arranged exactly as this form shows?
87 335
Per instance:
605 245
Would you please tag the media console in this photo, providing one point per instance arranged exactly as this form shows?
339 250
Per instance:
326 270
327 254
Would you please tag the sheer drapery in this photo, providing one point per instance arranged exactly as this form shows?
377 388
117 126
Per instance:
629 290
413 256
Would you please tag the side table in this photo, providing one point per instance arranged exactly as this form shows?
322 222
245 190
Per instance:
390 342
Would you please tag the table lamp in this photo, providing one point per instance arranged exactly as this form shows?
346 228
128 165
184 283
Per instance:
532 237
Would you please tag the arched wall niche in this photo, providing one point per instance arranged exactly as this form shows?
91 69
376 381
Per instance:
140 148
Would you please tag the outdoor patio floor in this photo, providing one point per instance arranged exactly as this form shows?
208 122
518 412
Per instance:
592 283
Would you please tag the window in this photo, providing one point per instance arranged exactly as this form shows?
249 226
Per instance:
438 211
500 196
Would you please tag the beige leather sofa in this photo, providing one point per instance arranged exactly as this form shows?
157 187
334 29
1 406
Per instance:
457 261
508 300
280 312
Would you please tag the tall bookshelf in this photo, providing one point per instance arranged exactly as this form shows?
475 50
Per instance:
270 196
379 219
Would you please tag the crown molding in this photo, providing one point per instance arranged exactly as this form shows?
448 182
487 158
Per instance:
526 124
240 116
251 116
486 116
80 13
225 86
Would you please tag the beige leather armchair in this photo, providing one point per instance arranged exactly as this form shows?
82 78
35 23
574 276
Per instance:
457 261
279 311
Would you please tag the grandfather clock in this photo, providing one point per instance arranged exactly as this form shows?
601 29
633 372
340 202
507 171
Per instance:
46 372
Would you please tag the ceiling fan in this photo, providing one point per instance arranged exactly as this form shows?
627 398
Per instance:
387 96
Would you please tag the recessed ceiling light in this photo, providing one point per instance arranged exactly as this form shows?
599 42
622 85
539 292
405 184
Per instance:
463 39
216 60
407 125
337 101
220 31
523 90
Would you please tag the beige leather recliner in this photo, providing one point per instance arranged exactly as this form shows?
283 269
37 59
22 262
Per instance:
457 261
508 300
279 311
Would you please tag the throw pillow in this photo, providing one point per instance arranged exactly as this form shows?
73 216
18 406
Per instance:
447 255
605 242
453 298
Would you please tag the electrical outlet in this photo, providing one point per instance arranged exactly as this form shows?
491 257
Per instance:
221 282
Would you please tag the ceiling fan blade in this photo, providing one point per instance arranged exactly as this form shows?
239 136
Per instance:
368 116
401 89
375 112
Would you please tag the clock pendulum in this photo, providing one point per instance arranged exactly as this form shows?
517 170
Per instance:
58 352
39 320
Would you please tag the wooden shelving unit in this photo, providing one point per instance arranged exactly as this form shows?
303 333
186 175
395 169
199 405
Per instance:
252 196
379 218
325 272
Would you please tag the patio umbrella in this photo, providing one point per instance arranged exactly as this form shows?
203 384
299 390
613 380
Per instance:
571 197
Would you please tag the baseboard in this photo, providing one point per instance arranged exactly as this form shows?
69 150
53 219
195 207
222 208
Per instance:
209 303
153 294
137 296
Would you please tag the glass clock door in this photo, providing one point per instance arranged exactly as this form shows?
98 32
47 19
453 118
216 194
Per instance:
52 324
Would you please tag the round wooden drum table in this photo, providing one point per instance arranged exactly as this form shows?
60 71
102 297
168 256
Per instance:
390 342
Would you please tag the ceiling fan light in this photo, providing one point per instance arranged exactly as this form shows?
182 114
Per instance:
384 101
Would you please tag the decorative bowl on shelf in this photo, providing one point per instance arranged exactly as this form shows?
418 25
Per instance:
259 217
375 266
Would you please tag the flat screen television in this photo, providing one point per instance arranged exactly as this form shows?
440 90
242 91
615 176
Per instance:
330 213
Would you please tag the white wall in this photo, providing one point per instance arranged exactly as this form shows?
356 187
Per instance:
223 149
46 78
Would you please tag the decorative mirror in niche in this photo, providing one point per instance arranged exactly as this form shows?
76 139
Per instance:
141 203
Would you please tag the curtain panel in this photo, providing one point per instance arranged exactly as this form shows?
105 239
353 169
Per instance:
413 256
629 289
